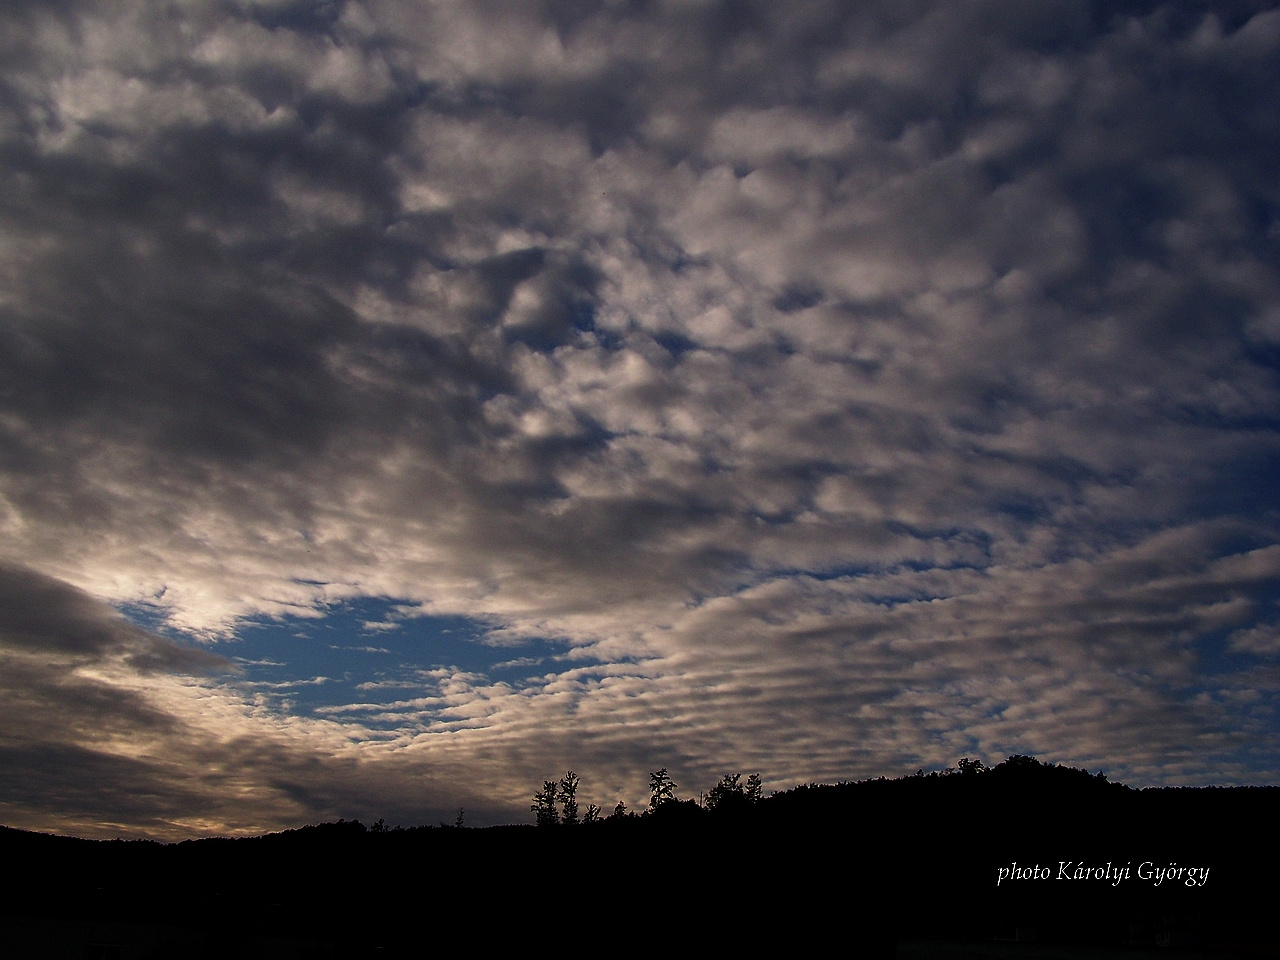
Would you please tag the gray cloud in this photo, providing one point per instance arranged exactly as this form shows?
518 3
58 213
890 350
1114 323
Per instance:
848 389
107 729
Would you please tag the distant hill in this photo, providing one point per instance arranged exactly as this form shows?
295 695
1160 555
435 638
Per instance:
1085 861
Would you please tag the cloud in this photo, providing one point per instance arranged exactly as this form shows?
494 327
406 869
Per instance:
835 391
77 714
42 617
111 730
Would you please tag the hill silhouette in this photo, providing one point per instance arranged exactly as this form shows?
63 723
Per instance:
1020 855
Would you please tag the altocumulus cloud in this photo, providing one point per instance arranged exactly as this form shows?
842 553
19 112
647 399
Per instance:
825 389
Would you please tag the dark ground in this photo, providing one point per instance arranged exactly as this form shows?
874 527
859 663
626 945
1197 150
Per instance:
904 867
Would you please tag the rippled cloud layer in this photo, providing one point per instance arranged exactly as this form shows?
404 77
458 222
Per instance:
821 389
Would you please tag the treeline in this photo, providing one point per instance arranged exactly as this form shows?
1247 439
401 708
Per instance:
556 804
733 796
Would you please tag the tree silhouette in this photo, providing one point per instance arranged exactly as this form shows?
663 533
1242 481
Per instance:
568 795
726 794
544 804
662 789
730 794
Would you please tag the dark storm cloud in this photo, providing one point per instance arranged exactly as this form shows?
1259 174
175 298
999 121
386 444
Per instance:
866 372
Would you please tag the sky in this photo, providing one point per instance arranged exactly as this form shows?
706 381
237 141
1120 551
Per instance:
403 402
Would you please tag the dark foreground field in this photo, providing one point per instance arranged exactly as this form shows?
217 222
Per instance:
911 867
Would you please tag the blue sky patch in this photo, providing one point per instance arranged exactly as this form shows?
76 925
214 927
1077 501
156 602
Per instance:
364 651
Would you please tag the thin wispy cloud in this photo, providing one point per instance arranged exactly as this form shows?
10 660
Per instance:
826 390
